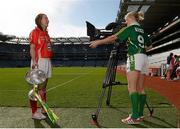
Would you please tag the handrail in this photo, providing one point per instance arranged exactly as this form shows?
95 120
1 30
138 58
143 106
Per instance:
166 37
167 28
165 44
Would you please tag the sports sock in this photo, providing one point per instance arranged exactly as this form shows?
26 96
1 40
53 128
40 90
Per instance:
135 102
42 93
33 106
142 101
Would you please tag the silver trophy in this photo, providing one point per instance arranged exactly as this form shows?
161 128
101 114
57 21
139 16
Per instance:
35 78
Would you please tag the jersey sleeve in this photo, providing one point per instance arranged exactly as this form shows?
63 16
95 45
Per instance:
123 34
33 38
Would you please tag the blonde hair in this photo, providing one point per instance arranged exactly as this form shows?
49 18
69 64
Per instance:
139 16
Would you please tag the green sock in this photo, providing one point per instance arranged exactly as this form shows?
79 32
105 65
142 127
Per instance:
135 102
142 98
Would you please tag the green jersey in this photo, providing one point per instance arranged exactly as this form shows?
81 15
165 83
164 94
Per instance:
176 60
168 60
135 37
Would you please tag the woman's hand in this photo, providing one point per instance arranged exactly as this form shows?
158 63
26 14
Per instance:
34 65
109 40
93 44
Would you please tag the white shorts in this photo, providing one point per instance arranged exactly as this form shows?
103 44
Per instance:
45 65
138 62
169 67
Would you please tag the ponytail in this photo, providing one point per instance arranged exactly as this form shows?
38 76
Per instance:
139 16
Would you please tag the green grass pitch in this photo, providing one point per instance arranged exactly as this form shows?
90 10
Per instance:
74 92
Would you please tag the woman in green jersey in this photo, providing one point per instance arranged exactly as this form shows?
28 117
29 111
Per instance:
137 62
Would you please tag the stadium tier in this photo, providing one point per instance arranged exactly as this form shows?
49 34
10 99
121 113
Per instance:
17 55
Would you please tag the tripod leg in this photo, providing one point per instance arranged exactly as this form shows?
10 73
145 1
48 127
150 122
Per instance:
109 96
95 115
106 82
150 110
112 79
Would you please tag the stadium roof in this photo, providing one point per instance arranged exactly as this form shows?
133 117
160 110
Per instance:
157 12
4 37
58 40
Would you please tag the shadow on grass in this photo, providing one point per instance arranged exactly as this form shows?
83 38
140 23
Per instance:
155 125
99 125
51 125
124 112
157 118
118 109
146 123
140 126
37 124
96 123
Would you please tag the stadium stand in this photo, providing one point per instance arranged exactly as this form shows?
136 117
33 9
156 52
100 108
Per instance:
68 52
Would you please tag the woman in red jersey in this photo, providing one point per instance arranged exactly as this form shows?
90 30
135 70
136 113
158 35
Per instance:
41 54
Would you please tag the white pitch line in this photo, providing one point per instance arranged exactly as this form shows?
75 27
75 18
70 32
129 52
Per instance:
52 88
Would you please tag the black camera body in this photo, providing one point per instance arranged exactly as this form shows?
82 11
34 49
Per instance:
109 30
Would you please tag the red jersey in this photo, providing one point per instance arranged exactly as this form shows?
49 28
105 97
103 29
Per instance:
42 42
172 61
